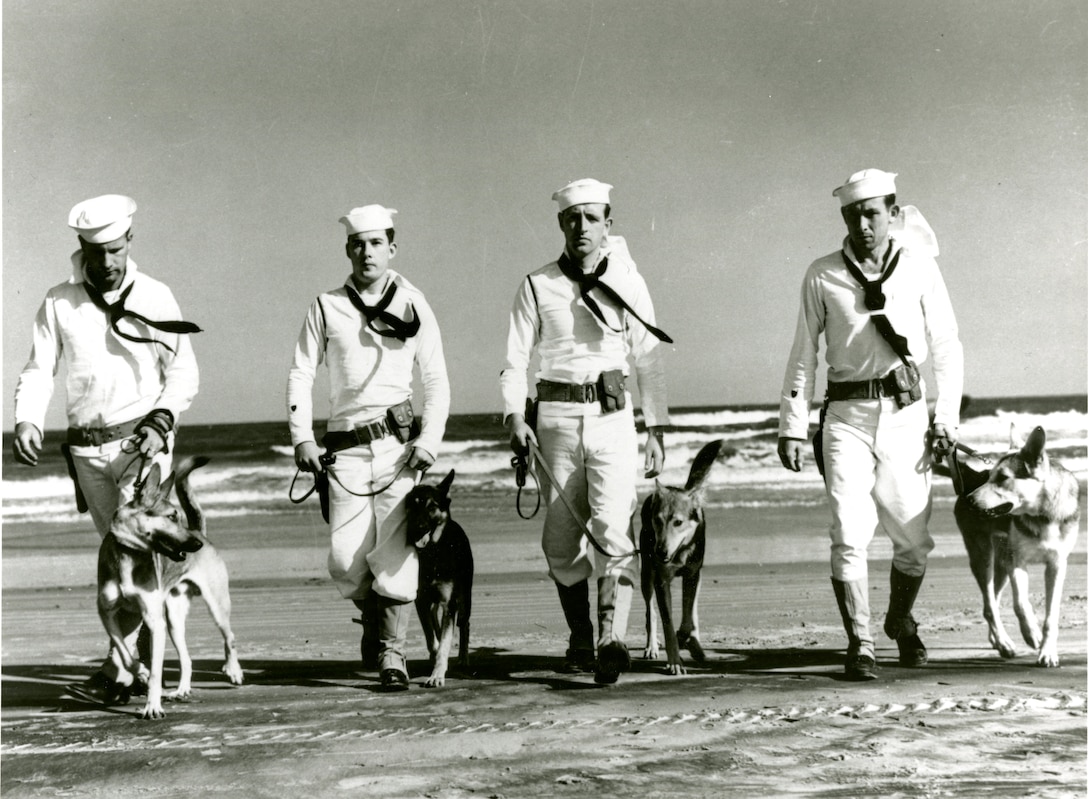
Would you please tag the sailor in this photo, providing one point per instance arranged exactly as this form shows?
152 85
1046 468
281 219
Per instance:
586 315
130 369
371 333
882 307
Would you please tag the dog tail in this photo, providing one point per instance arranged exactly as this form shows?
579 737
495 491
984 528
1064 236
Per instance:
700 467
193 513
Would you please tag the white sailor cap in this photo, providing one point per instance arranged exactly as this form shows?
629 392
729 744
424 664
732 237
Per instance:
864 185
102 219
582 191
368 217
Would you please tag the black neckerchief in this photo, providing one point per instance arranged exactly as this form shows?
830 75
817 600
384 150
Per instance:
117 311
398 328
875 300
592 280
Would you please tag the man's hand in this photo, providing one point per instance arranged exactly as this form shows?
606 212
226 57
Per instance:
655 452
943 441
150 442
791 451
307 457
27 444
520 434
420 460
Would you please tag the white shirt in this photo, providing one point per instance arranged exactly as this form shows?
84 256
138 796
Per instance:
110 380
574 345
832 303
368 373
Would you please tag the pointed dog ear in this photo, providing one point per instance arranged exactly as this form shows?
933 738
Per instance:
150 492
444 486
1035 447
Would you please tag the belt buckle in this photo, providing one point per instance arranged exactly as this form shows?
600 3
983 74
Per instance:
589 392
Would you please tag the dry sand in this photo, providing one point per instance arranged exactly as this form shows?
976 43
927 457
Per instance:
768 716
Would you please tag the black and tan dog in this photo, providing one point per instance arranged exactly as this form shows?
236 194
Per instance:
150 565
672 544
445 575
1026 509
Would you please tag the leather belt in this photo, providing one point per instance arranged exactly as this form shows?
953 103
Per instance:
551 391
336 440
862 389
97 436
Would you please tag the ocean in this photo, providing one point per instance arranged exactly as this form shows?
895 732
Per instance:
252 468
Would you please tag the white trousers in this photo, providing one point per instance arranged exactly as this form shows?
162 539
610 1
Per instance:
107 476
368 543
593 459
878 472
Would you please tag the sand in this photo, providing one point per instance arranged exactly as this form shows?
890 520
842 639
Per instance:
768 715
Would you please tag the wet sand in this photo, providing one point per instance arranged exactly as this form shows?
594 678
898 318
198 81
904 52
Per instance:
767 715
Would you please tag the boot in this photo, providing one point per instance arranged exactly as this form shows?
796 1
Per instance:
853 601
613 607
575 602
369 645
899 624
393 636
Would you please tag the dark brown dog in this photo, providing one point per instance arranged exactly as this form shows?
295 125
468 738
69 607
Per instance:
149 567
1026 509
672 544
445 575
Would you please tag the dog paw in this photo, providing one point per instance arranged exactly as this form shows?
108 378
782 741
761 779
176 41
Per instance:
696 650
435 681
233 672
676 669
151 712
651 652
180 695
1047 659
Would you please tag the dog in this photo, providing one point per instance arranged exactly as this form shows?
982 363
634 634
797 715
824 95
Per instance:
444 598
150 566
1026 509
673 543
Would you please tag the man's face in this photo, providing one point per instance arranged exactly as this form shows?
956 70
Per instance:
584 227
370 253
105 263
867 223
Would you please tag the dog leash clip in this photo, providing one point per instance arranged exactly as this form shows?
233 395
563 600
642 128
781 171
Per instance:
521 468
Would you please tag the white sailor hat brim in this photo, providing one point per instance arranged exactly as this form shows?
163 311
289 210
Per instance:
368 217
581 192
102 219
865 185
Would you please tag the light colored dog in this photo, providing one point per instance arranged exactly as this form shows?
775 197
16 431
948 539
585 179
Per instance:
672 543
150 565
1026 509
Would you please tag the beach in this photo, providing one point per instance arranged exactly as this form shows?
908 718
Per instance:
767 715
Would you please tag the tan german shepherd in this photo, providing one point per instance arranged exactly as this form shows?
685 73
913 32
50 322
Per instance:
672 544
1026 509
149 567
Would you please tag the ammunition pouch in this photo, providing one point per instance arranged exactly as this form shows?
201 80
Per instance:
402 422
612 391
908 385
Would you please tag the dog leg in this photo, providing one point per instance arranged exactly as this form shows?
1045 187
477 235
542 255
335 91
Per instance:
652 651
152 608
688 634
1021 602
177 612
663 590
442 619
991 575
215 588
1055 581
423 611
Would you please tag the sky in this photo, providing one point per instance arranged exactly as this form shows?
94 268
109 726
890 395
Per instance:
245 129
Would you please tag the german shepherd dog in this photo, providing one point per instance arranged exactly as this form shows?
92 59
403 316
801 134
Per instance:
672 543
1026 509
149 568
444 598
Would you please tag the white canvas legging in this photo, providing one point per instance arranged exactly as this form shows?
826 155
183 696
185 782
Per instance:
368 535
107 476
594 459
878 471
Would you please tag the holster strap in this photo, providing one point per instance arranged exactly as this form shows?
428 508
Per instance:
97 436
862 389
336 440
551 391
